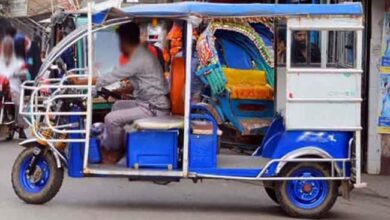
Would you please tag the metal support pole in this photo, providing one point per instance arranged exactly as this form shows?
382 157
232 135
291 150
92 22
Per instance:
324 48
187 98
288 66
359 183
89 90
358 147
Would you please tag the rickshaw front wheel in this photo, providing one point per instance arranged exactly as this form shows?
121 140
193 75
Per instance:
306 198
43 184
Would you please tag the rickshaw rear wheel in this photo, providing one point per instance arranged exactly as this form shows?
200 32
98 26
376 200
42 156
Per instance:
306 198
269 187
271 194
43 184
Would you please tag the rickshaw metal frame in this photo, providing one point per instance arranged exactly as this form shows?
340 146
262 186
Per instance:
91 170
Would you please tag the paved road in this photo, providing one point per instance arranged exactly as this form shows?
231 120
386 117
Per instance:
96 199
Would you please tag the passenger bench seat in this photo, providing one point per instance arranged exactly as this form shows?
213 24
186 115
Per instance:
248 84
159 123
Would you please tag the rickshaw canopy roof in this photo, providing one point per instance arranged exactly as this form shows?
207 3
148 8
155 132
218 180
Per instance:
210 10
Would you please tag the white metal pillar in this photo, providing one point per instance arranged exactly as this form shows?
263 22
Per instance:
89 90
187 98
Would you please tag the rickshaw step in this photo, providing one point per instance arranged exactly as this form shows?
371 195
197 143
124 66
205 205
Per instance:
156 179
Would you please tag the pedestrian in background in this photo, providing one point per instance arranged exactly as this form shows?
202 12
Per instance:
26 49
14 69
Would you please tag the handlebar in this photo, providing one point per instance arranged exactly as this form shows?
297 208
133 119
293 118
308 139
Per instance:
105 93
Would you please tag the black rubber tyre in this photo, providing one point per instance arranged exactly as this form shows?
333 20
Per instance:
11 133
49 190
9 116
288 205
271 194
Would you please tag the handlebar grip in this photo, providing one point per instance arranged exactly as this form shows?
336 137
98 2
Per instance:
105 93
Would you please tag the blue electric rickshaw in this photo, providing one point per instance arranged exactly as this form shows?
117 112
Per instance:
307 113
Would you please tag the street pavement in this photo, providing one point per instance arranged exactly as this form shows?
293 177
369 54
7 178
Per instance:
117 198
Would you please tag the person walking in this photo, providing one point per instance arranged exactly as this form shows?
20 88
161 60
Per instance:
15 70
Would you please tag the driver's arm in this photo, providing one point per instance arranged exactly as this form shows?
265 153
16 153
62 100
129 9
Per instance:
119 73
82 81
126 88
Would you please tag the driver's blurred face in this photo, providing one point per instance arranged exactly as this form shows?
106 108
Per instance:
122 47
125 47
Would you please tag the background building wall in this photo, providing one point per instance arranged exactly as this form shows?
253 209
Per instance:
377 144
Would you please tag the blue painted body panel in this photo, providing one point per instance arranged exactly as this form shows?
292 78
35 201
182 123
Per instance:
186 9
203 151
272 136
152 149
231 10
76 152
333 142
203 148
278 142
95 155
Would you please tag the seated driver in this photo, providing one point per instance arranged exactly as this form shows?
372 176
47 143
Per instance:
150 90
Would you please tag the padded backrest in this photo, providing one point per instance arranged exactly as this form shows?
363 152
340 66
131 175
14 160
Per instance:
236 77
177 85
233 55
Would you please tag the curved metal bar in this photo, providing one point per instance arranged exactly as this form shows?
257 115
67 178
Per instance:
331 160
57 155
266 178
310 150
71 39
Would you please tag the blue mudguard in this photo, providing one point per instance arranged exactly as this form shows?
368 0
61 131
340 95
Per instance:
279 143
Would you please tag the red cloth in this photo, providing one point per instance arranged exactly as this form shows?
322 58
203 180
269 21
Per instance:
177 86
153 50
123 60
5 87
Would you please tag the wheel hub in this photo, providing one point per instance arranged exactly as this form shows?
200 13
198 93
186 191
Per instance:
307 194
36 176
37 180
307 188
